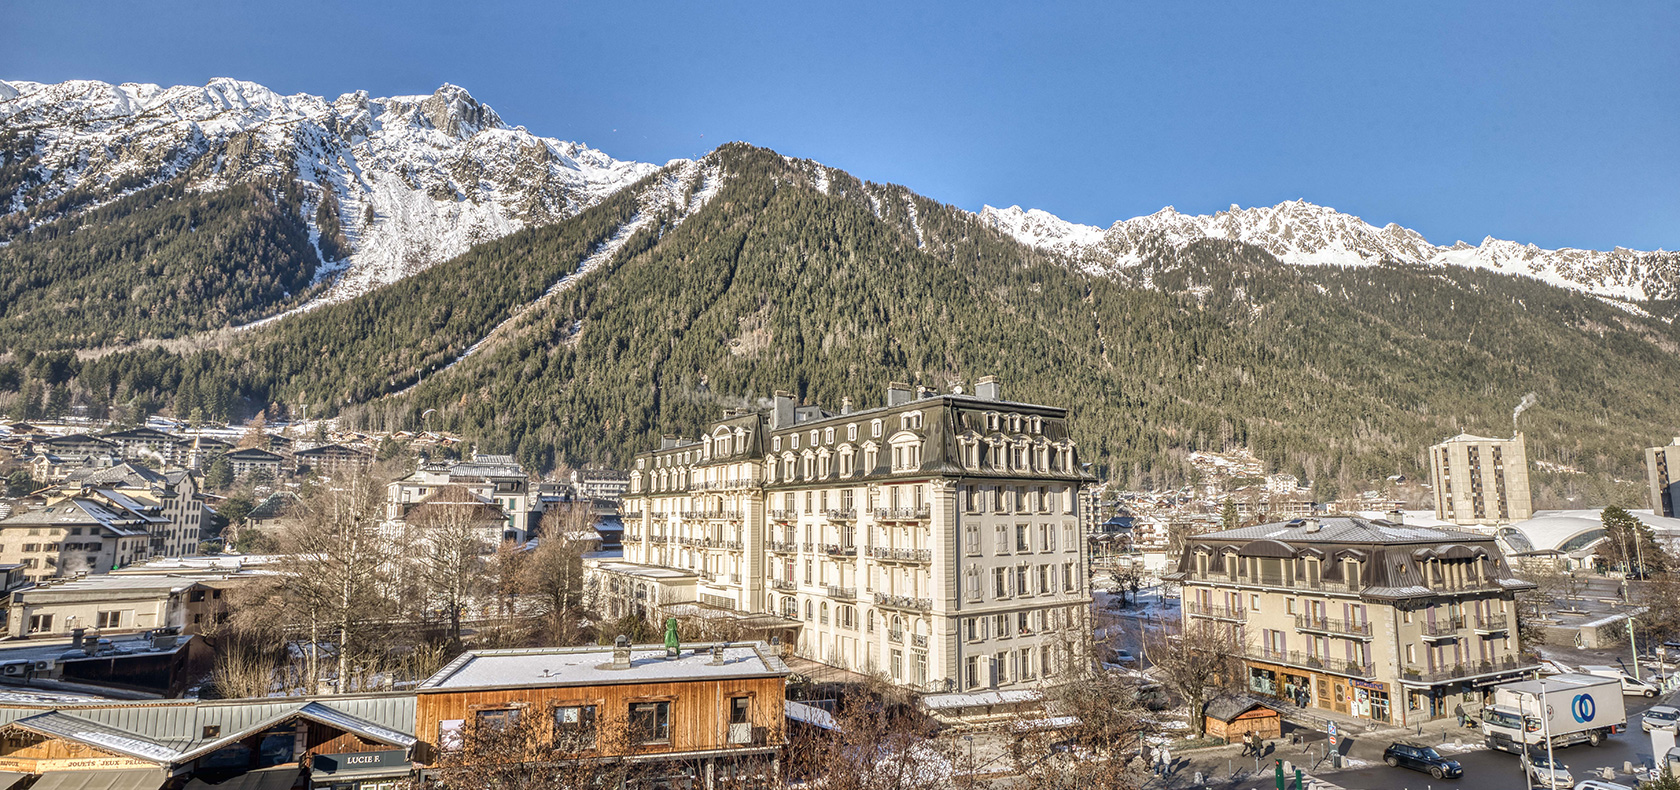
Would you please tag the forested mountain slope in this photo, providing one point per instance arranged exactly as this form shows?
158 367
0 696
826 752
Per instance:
714 283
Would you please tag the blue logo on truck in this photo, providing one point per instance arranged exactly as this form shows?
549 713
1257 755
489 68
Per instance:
1583 708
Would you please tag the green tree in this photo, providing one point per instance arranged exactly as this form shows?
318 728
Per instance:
219 476
1629 544
1228 514
19 483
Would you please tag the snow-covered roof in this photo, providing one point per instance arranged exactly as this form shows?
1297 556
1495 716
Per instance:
810 714
1574 530
980 698
592 666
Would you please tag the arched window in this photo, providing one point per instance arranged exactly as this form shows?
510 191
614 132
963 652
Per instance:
808 609
823 614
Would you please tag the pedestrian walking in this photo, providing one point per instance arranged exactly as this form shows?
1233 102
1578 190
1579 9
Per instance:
1166 761
1460 712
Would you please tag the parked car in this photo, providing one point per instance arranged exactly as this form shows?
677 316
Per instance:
1659 716
1123 657
1599 784
1421 758
1548 774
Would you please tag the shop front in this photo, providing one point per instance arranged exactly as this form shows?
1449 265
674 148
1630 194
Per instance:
1371 701
1283 684
381 770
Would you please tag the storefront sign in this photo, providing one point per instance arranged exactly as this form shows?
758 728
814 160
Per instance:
75 764
1370 684
394 759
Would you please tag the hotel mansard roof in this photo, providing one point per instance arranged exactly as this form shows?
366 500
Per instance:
1393 556
947 419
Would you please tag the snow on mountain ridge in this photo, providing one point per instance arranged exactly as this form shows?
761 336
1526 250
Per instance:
417 179
1305 234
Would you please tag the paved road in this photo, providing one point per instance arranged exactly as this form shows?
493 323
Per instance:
1485 769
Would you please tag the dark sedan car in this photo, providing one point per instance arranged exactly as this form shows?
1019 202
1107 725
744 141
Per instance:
1421 758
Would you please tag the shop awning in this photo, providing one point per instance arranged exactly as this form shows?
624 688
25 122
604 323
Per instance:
137 779
8 779
277 778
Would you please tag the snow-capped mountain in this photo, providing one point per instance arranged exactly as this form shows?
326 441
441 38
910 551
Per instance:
416 179
1304 234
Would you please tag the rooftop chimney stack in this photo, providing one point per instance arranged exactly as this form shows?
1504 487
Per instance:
846 405
1397 516
923 392
717 655
776 646
898 393
76 638
667 441
782 415
621 652
987 388
1310 525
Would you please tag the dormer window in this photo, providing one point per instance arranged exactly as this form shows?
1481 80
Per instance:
794 438
851 432
776 444
813 437
828 436
875 428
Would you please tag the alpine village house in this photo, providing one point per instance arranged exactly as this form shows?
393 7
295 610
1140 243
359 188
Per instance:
1366 617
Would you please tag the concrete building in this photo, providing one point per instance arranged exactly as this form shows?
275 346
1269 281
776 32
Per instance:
1662 470
172 495
71 536
332 459
1481 481
497 479
1363 617
936 539
251 459
608 485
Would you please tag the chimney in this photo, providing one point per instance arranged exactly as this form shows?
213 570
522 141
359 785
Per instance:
76 638
923 392
667 441
621 652
776 646
1310 525
1397 516
781 412
898 393
987 388
846 405
717 655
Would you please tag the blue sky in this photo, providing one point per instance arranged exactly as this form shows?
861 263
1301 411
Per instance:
1557 124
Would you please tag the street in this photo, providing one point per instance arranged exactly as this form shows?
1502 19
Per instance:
1486 769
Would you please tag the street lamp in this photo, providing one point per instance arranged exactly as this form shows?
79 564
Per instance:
1546 724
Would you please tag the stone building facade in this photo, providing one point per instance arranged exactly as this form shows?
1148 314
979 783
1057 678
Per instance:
936 539
1481 481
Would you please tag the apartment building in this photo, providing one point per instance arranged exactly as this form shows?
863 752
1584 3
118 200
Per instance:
332 459
1662 470
170 498
1370 618
936 538
1481 481
498 479
71 536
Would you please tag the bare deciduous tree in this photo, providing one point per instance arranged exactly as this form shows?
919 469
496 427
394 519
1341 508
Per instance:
1196 661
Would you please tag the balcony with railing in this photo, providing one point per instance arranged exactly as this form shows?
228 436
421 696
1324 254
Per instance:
1443 627
841 514
712 515
1465 670
847 593
779 547
1330 625
783 584
1492 624
918 640
903 513
709 543
839 550
1339 666
784 515
900 555
904 602
1215 612
1222 579
895 636
630 515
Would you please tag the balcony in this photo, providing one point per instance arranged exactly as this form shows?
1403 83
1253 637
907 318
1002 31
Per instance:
631 515
1466 670
809 547
784 515
847 593
708 543
837 550
778 547
1297 658
895 636
900 555
712 515
1493 624
1443 628
1218 579
783 584
904 602
1214 612
1329 625
918 640
843 514
903 513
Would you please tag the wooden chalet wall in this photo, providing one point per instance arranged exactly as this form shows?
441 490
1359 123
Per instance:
699 710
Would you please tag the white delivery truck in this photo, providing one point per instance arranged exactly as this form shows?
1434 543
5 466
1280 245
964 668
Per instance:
1631 686
1577 708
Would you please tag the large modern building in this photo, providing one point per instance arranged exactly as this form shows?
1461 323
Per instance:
1481 481
1369 618
935 539
1662 469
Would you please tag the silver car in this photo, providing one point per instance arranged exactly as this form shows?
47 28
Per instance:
1547 774
1659 716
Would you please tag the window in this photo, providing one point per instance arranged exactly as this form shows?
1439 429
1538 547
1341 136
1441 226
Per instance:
1000 582
650 722
1022 539
574 727
496 719
971 539
1002 539
1254 602
875 428
971 672
108 619
40 622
